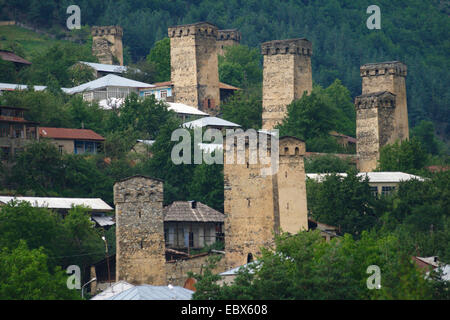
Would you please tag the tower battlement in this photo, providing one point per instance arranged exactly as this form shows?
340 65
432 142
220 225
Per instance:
382 99
383 68
301 46
230 34
204 29
107 30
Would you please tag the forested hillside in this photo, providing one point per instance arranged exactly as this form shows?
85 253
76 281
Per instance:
413 31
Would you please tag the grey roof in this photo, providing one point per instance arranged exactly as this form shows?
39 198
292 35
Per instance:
110 80
15 86
147 142
148 292
182 211
60 203
105 67
234 271
210 121
103 220
374 177
113 290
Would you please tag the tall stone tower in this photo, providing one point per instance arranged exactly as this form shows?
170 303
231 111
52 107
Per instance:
286 75
194 65
140 246
107 44
383 102
257 205
227 38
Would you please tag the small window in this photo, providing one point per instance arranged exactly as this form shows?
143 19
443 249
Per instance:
374 191
386 190
163 94
61 149
249 257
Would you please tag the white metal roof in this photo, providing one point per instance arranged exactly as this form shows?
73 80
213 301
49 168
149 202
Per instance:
103 220
14 86
60 203
210 147
105 67
110 80
184 108
234 271
210 121
148 292
374 177
113 290
147 142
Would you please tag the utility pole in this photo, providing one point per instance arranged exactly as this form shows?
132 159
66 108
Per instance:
107 259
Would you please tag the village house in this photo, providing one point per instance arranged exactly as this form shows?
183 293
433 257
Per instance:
15 132
76 141
102 69
381 183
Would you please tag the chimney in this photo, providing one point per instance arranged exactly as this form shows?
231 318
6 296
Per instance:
193 204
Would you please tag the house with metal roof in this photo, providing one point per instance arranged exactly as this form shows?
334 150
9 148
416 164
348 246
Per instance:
192 225
148 292
109 86
211 123
381 183
76 141
102 69
10 56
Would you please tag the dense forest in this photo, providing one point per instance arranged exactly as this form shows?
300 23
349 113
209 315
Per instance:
415 32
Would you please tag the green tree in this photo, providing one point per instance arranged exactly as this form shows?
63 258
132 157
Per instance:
26 275
424 132
159 57
207 185
80 73
406 156
244 109
327 164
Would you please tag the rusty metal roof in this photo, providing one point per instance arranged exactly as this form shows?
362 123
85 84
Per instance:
10 56
69 134
184 211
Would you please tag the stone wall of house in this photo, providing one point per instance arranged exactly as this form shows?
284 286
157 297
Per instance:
227 38
140 247
375 127
177 270
107 44
194 65
287 74
257 205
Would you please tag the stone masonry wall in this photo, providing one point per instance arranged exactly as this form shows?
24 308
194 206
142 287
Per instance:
140 248
107 44
286 75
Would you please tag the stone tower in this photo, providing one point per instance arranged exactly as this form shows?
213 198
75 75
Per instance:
286 75
378 79
194 65
107 44
257 205
140 246
227 38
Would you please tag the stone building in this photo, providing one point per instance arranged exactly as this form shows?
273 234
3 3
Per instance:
257 205
286 75
107 44
194 65
381 110
140 249
227 38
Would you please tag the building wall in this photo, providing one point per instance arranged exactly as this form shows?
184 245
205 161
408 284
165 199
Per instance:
287 74
107 44
257 205
194 66
375 127
140 248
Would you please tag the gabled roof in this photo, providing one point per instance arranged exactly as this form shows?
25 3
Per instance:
374 177
69 134
10 56
110 80
185 109
183 211
60 203
113 290
148 292
105 67
210 122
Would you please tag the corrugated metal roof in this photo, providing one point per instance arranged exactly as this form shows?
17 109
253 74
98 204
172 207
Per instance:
60 203
183 211
105 67
210 121
103 221
234 271
15 86
69 134
148 292
113 290
11 56
374 177
110 80
184 108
